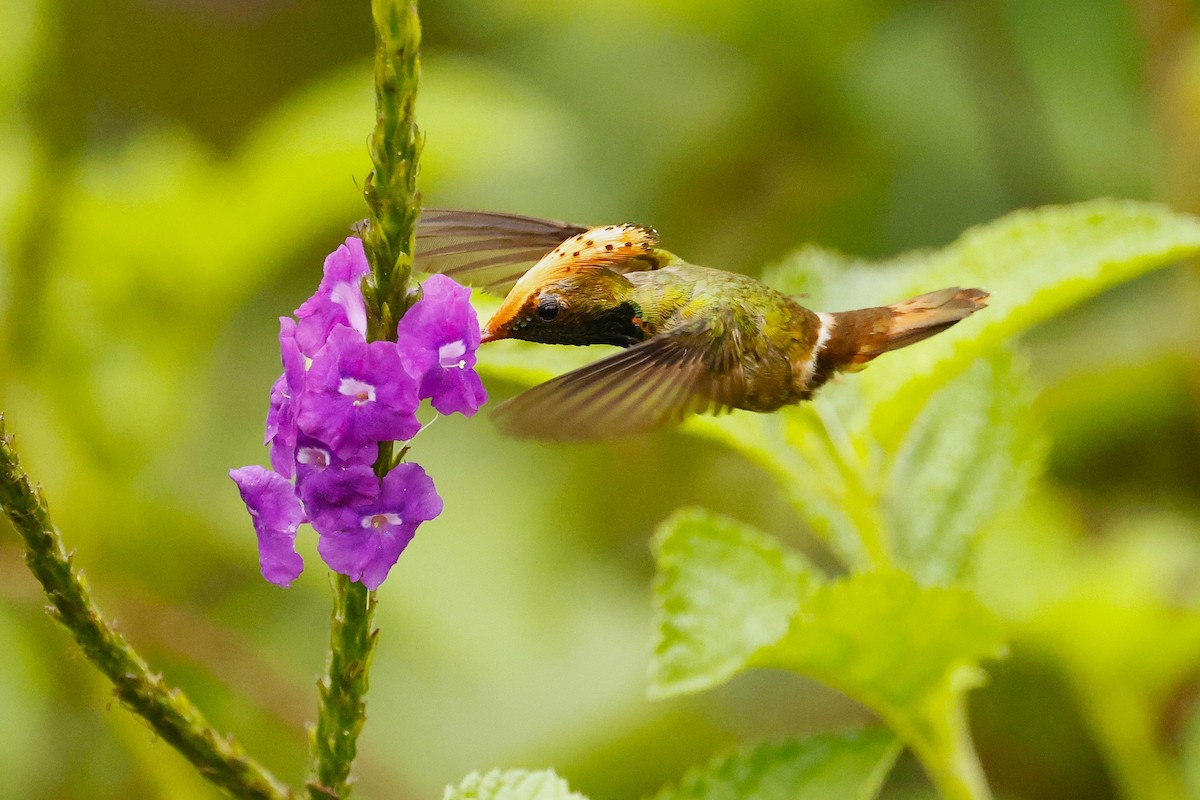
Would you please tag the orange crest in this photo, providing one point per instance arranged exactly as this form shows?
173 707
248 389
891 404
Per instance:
609 247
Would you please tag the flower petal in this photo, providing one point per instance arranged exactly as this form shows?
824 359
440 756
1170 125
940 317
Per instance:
338 300
364 555
437 340
357 394
276 513
409 491
364 540
333 496
285 394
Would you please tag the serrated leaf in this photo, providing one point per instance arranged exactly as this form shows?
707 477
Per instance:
834 766
909 653
1036 263
516 784
723 591
969 454
906 463
906 651
967 457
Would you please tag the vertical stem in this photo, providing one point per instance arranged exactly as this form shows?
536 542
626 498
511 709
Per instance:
942 743
343 690
862 502
393 205
391 189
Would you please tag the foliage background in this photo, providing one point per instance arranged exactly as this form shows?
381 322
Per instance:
174 170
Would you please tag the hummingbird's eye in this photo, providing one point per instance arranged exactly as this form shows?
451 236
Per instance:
547 308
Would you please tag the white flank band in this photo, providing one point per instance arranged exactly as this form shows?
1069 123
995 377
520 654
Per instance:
826 330
804 370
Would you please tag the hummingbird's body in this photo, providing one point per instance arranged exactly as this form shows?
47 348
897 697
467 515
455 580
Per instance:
773 336
697 339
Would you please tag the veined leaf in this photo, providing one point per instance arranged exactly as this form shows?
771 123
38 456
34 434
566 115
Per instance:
517 784
723 592
922 507
905 464
1036 263
969 454
908 652
834 766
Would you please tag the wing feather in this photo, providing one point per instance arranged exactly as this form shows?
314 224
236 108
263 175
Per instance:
648 386
486 249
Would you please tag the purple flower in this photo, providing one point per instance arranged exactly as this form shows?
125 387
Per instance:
339 298
357 393
437 340
276 512
364 539
324 481
338 398
285 394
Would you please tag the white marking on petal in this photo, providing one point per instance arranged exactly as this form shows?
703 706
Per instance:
361 392
313 457
450 356
349 297
378 521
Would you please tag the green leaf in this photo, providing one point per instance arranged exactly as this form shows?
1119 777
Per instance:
517 784
970 453
906 651
922 506
723 591
1036 263
906 464
834 766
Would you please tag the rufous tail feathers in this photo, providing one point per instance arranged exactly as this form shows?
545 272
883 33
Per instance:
853 338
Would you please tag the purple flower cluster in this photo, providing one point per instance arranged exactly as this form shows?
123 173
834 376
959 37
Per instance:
339 396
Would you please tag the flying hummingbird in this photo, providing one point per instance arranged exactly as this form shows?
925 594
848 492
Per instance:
697 339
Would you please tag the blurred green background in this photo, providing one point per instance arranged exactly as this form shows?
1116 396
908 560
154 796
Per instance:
173 171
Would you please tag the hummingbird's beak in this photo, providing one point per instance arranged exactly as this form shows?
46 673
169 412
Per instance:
489 335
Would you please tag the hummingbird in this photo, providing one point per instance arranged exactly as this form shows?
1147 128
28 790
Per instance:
696 339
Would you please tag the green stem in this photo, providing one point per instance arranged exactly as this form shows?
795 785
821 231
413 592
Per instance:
391 188
937 732
168 711
942 743
863 504
393 205
343 690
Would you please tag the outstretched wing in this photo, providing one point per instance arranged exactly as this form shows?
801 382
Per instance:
658 382
486 249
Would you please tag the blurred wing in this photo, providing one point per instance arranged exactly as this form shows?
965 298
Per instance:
485 249
648 386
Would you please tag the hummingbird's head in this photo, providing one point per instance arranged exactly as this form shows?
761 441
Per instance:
577 293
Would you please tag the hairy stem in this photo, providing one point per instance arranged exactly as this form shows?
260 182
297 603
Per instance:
168 711
343 690
393 206
391 188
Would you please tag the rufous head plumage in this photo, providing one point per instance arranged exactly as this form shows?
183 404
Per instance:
613 248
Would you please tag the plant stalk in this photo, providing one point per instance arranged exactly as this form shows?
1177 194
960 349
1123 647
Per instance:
391 188
393 207
343 689
219 758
